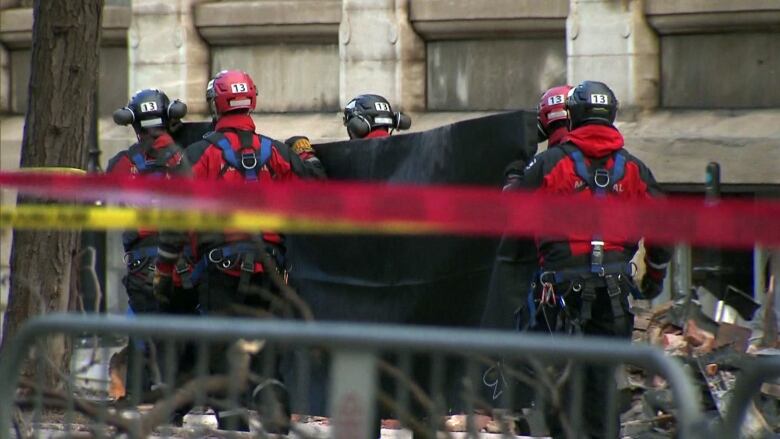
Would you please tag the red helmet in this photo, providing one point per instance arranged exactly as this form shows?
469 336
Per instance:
552 108
231 90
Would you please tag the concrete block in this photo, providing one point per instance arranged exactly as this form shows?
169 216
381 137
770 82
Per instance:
167 77
6 4
381 53
609 69
448 10
20 80
112 80
612 42
367 5
16 26
267 12
653 7
366 36
156 7
493 74
197 78
289 77
369 76
5 80
156 39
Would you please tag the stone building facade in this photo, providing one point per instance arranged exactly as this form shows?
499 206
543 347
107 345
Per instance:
698 80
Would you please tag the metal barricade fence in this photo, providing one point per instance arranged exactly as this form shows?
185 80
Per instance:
738 420
360 359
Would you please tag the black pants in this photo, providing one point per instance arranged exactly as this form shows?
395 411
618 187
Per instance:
599 381
219 295
141 300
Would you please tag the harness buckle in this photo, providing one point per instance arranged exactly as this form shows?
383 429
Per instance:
601 178
215 256
247 265
597 258
182 267
249 158
546 274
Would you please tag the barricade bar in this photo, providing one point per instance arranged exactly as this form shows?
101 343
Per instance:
353 337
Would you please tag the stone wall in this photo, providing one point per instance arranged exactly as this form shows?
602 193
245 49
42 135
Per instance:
16 42
493 74
710 48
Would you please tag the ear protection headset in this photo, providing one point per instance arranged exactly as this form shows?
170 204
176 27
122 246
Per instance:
126 116
358 126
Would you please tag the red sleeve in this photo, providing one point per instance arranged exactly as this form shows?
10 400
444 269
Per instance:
282 169
120 166
200 169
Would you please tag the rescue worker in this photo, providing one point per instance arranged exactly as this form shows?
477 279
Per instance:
509 268
552 123
153 117
230 276
512 268
369 116
585 278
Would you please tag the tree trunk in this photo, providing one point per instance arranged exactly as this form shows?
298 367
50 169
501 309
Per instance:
64 73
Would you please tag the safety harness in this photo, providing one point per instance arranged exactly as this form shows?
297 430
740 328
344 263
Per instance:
157 164
248 160
601 181
154 162
142 257
251 160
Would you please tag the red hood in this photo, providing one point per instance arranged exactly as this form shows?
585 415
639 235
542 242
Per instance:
557 136
379 132
235 121
596 140
162 141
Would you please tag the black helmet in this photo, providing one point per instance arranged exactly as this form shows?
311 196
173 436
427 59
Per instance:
150 108
367 112
591 101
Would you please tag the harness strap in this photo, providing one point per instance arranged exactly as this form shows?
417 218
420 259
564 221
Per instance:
247 270
615 292
588 295
184 269
139 151
249 163
596 177
571 274
601 182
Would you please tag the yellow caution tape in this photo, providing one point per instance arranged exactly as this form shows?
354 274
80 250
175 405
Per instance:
68 217
55 170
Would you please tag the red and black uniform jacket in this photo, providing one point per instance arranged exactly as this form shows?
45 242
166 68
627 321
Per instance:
553 171
160 157
208 163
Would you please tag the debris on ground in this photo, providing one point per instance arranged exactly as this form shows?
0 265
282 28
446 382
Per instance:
712 344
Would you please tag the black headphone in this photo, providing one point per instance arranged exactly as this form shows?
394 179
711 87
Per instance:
126 116
358 126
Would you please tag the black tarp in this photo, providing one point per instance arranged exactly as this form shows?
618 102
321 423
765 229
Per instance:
190 132
440 280
402 279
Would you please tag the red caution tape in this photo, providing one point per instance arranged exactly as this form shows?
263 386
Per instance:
446 209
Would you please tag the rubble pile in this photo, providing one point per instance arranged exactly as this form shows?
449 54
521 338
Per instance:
713 350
